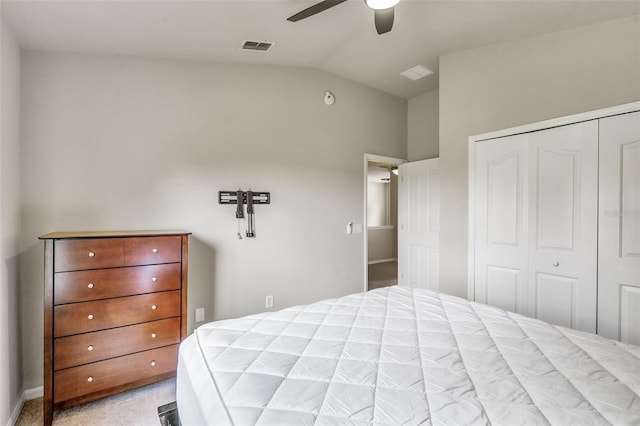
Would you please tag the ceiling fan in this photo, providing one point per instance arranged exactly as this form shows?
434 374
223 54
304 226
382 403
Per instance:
383 12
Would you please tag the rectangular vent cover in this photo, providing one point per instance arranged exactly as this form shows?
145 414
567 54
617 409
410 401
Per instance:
260 46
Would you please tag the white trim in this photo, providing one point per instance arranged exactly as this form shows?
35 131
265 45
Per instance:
527 128
25 396
561 121
391 259
471 231
381 159
381 227
17 409
34 393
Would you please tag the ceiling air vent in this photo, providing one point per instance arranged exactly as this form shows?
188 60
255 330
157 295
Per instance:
416 73
260 46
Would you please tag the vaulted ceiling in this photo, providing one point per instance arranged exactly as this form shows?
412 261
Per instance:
341 40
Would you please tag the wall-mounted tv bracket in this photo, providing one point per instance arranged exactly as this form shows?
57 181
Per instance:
239 198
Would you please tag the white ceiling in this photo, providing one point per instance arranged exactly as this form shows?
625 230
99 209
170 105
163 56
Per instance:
341 40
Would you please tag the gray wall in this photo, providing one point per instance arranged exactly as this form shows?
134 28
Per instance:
520 82
377 203
10 353
423 127
381 244
124 143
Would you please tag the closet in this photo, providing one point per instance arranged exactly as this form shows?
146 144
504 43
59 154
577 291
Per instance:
555 221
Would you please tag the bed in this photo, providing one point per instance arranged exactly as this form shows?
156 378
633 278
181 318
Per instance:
402 356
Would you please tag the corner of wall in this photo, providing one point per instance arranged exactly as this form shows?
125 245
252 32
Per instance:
423 114
11 380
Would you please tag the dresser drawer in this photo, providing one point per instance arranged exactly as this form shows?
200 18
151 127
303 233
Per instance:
74 255
81 286
99 345
78 381
152 250
84 317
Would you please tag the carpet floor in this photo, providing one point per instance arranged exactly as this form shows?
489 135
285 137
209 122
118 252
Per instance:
382 274
138 407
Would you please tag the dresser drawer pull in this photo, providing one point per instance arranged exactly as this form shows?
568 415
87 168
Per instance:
154 335
155 250
91 254
154 279
90 285
154 307
90 348
90 379
153 363
90 316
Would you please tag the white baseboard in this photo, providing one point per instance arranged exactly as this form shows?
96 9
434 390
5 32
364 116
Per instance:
16 410
27 395
34 393
373 262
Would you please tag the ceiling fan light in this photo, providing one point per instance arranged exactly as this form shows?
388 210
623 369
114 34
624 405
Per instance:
381 4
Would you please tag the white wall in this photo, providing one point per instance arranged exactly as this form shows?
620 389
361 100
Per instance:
520 82
382 211
10 353
423 127
381 244
377 203
126 143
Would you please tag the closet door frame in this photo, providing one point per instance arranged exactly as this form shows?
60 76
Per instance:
547 124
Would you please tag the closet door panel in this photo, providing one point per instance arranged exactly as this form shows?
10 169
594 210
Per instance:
619 228
630 314
630 202
501 234
505 288
554 294
563 224
557 178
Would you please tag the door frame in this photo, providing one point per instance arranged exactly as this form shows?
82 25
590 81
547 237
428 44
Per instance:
527 128
367 159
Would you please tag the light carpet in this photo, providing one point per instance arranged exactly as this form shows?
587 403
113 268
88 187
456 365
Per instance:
138 407
382 274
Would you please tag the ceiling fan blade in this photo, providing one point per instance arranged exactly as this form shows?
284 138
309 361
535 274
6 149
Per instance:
316 8
384 20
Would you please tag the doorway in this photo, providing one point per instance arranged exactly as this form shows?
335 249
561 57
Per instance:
381 221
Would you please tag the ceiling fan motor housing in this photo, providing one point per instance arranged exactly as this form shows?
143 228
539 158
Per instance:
383 11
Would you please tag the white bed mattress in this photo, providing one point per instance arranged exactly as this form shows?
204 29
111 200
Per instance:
403 356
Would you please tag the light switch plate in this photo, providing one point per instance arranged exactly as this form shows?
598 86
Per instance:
199 314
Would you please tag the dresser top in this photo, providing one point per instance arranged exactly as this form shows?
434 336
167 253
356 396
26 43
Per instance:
108 234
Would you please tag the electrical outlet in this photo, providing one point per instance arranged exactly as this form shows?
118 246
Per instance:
199 314
268 301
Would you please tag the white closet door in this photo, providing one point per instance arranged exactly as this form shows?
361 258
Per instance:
501 224
619 246
419 224
536 224
563 224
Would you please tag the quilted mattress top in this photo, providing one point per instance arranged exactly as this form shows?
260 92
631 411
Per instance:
409 356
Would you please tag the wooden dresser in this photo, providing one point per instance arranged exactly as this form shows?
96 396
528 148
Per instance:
115 306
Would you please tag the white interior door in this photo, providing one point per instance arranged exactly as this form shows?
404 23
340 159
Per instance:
619 231
419 224
563 225
501 223
535 247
